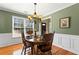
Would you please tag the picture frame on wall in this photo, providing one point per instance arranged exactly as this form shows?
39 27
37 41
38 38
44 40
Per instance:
64 22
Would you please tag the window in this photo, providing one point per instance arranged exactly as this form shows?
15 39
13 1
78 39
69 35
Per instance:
20 24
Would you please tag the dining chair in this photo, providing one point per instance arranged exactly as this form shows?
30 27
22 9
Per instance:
26 45
47 45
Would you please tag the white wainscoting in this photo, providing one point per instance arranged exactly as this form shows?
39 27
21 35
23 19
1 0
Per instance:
6 39
68 42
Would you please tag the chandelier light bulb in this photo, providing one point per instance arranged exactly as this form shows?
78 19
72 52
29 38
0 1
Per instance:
38 17
29 17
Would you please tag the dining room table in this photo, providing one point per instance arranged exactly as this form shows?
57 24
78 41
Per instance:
35 41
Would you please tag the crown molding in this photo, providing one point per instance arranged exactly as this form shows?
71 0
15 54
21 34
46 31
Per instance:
58 10
5 9
9 10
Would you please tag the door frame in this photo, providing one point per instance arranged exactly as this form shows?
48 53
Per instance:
42 32
49 27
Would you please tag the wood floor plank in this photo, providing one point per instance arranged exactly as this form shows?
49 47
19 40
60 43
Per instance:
9 49
59 51
55 50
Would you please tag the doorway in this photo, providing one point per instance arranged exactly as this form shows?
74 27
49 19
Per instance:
43 28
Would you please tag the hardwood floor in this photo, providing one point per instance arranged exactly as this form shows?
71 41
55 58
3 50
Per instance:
10 49
60 51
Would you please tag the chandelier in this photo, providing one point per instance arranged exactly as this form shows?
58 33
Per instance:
35 16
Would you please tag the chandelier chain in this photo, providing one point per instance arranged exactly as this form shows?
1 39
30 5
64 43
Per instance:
35 8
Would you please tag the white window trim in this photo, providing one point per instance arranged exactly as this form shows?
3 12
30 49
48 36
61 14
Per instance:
13 35
24 23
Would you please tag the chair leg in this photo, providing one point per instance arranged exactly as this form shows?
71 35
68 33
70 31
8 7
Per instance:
22 50
30 50
25 51
50 52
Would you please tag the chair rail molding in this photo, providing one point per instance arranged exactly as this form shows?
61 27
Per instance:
67 42
6 39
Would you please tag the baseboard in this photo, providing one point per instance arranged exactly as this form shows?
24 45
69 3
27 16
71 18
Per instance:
75 52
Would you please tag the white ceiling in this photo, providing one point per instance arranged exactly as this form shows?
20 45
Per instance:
28 8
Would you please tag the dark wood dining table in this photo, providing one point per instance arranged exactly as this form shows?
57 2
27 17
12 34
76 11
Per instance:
34 43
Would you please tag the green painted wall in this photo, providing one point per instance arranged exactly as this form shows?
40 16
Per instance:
73 12
6 21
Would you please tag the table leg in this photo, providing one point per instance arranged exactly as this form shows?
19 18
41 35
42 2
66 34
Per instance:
32 50
35 49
